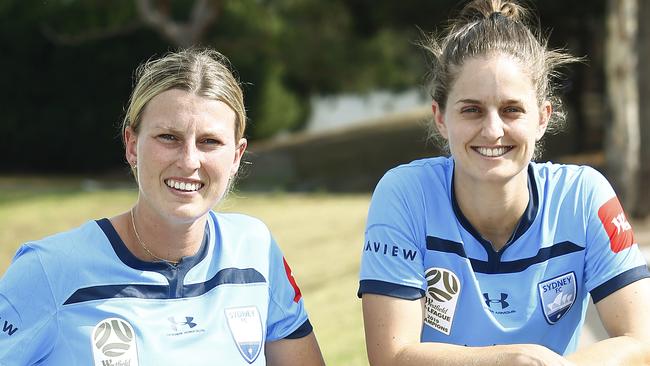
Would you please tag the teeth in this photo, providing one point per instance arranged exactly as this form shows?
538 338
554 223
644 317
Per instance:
183 186
493 151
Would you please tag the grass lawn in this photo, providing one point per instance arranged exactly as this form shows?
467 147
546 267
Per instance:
320 234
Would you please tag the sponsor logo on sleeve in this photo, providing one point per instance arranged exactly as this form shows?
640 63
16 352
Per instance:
557 295
7 327
292 281
245 326
616 225
9 318
114 343
390 250
443 290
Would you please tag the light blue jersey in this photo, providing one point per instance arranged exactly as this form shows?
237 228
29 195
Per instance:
573 240
81 298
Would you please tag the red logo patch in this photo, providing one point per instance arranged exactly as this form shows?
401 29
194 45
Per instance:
292 281
616 225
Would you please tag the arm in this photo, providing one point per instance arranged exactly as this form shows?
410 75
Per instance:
294 352
28 324
626 317
393 329
290 338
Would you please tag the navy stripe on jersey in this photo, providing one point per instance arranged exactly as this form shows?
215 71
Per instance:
494 265
224 276
302 331
389 289
618 282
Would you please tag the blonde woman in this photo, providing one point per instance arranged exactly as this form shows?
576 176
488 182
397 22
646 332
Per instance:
170 281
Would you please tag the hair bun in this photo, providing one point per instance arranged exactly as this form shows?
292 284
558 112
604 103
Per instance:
492 9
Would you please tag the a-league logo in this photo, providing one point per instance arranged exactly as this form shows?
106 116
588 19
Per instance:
113 343
449 284
443 290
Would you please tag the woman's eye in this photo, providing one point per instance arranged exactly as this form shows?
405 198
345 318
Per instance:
167 137
470 110
512 110
211 141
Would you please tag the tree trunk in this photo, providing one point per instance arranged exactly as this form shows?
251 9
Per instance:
643 203
622 135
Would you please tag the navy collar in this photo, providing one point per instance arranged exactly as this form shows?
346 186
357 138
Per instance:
125 255
524 223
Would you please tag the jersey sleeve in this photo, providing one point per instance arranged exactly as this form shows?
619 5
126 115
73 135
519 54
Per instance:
613 259
391 261
28 325
287 315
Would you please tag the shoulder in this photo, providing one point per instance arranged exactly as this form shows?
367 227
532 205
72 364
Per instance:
240 225
568 176
418 174
563 171
63 246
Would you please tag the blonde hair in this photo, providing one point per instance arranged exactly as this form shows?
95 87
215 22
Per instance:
492 27
205 72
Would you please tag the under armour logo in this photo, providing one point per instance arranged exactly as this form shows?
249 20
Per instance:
502 301
621 223
176 325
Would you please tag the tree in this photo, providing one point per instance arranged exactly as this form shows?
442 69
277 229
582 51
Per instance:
643 203
158 16
622 135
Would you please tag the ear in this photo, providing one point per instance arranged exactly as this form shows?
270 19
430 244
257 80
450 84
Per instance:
439 119
130 146
545 112
239 152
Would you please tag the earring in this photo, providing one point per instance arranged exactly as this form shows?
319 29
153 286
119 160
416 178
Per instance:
134 164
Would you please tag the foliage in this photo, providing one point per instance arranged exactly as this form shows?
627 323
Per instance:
69 64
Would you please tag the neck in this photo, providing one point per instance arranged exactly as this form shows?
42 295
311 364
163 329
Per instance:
493 208
156 238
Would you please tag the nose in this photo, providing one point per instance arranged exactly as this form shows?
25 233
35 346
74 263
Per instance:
492 126
190 157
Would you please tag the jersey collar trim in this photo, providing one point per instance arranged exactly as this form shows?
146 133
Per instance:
125 255
524 223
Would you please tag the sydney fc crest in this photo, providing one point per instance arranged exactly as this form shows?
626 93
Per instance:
557 295
245 326
114 343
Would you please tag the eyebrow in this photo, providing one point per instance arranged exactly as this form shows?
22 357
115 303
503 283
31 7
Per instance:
177 131
474 101
469 101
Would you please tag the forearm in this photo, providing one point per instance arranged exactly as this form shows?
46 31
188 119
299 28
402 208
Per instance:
442 354
451 355
624 350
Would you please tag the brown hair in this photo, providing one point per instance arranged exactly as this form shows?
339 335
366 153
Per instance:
489 27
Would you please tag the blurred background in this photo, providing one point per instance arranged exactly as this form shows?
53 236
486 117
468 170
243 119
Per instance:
334 88
335 94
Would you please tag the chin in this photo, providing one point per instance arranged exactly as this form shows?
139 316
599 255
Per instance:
501 174
188 213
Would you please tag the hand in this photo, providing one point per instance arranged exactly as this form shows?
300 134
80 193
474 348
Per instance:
529 355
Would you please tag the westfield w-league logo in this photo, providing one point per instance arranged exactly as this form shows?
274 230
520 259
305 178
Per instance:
114 344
